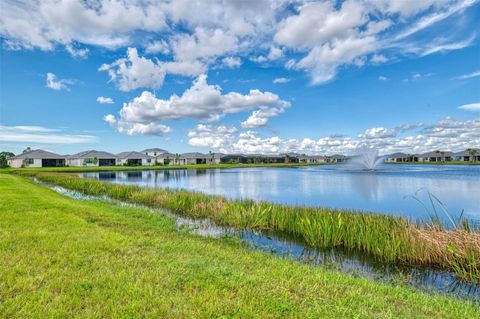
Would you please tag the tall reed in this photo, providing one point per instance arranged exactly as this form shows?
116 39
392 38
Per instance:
386 238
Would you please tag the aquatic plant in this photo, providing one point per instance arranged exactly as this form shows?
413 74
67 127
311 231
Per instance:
386 238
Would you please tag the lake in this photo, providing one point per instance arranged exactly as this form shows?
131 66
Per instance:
387 190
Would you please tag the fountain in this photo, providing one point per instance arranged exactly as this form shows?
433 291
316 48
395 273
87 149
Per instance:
367 159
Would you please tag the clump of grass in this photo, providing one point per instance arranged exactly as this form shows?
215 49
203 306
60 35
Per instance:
386 238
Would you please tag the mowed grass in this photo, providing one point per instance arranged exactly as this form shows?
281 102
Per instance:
65 258
386 238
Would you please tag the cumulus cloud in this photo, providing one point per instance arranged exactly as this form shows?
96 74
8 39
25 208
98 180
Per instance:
260 117
211 136
201 101
231 62
475 107
129 128
56 84
134 72
382 78
378 59
446 134
40 134
378 132
318 37
104 100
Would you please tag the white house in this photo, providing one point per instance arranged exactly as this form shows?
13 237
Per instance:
154 152
36 158
135 159
92 158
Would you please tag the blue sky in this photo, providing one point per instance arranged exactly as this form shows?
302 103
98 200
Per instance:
316 77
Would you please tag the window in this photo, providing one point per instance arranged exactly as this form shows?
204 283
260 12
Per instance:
88 160
30 161
149 160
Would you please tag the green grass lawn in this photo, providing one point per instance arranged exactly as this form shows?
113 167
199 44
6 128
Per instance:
67 169
63 258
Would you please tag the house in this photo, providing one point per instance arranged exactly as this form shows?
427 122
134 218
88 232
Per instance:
37 158
398 158
337 158
168 159
195 158
154 152
465 156
135 159
92 158
312 159
435 156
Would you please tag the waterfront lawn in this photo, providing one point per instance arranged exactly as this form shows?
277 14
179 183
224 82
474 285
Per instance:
73 169
62 258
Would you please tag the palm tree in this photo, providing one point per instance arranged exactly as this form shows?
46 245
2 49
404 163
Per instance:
472 152
212 156
28 149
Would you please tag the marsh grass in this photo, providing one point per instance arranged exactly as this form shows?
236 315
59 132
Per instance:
386 238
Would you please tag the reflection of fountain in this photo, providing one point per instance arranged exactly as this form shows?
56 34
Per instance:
367 159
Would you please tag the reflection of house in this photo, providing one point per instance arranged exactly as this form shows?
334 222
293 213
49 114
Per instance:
465 156
36 158
92 158
154 152
134 159
435 156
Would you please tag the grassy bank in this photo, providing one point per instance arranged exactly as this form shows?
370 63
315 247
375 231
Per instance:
386 238
68 169
65 258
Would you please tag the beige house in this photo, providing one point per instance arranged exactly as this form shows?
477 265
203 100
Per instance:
92 158
36 158
135 159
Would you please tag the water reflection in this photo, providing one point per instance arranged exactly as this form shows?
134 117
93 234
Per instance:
381 191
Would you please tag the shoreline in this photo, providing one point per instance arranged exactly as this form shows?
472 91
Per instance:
388 239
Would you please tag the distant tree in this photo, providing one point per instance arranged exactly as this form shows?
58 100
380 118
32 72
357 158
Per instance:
472 152
95 160
28 149
3 158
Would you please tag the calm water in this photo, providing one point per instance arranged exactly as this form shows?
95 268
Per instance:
387 190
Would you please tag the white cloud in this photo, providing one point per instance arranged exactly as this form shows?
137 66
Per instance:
446 134
378 59
475 107
382 78
231 62
469 75
134 72
281 80
203 44
39 134
56 84
211 136
104 100
160 46
129 128
201 101
318 37
47 23
378 132
260 117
